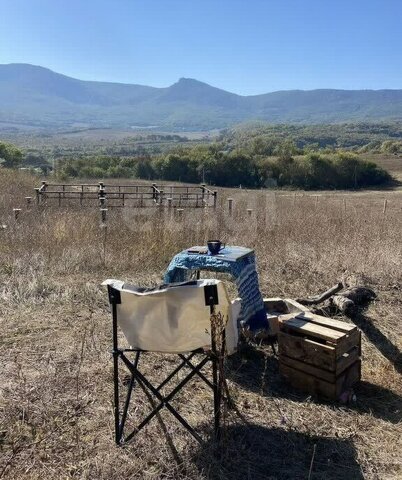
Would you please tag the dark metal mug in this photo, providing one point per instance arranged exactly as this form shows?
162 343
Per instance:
215 246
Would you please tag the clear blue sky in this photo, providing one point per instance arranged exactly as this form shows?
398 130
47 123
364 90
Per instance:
245 46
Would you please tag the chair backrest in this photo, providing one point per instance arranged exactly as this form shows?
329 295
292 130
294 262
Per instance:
173 318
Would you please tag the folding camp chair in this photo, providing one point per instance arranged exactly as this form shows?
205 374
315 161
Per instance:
172 319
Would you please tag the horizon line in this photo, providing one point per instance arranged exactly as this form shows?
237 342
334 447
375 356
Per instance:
203 82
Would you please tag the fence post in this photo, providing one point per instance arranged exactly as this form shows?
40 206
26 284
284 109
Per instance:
203 192
42 191
101 193
17 212
230 204
250 212
37 191
384 210
180 213
215 198
103 215
160 198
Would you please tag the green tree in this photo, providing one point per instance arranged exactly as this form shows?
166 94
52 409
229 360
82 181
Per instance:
10 155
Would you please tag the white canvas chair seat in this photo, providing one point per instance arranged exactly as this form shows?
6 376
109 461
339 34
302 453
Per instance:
173 318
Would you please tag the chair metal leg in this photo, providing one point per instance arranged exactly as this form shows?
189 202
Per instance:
200 374
217 396
216 377
164 400
116 354
128 397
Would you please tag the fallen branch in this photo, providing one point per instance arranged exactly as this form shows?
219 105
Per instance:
320 298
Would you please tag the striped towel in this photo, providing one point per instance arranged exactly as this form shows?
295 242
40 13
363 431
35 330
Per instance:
252 314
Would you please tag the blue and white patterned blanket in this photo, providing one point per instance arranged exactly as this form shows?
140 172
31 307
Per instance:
243 270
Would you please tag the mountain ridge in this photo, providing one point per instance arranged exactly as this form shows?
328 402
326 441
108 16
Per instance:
37 96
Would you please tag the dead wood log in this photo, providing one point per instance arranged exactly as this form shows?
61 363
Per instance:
346 302
351 298
343 304
359 295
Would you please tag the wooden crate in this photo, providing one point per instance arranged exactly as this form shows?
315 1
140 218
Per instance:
319 355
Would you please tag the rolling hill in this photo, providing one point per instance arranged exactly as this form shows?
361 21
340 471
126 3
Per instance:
32 97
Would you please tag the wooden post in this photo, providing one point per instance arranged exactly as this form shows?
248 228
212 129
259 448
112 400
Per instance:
103 215
101 193
169 202
17 212
230 205
250 212
37 191
203 192
161 198
102 201
384 210
215 198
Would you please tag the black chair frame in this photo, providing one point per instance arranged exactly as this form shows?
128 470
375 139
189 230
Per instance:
164 401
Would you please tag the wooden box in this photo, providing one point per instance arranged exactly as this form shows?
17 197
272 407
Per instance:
319 355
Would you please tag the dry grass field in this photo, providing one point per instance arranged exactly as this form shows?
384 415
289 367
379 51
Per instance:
56 418
392 163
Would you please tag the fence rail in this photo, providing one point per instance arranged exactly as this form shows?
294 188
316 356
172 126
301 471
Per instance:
134 195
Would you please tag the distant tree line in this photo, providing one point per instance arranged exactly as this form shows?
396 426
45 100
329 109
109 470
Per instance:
234 168
264 138
258 155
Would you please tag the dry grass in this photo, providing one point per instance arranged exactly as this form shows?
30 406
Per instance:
56 380
391 163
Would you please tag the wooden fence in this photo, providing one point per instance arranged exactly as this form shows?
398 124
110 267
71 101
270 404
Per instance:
134 195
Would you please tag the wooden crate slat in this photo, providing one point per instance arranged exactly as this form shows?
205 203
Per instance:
307 368
327 322
303 326
316 386
347 359
307 350
347 342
